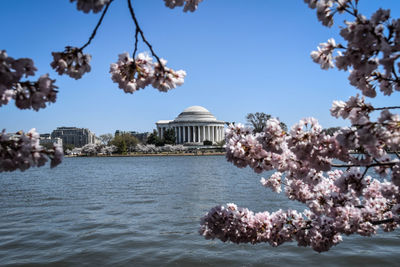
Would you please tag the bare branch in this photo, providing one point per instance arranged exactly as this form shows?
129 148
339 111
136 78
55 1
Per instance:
382 221
138 29
365 172
97 26
136 43
393 107
390 163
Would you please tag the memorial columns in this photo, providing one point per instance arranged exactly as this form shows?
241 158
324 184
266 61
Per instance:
194 132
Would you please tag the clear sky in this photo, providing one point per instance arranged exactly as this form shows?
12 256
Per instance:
240 56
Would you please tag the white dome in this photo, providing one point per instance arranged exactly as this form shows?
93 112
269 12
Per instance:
196 109
195 113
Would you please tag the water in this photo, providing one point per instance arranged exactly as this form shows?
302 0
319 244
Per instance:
145 211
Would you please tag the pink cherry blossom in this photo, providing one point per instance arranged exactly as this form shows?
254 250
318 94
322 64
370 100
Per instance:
22 151
71 62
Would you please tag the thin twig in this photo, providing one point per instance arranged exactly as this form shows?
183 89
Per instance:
138 29
394 72
379 77
393 107
390 163
136 43
382 221
365 172
372 124
97 26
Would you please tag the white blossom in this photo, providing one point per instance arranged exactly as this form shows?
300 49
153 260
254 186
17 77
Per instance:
323 55
165 79
132 75
273 182
71 62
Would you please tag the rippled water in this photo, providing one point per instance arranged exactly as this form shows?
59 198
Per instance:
146 211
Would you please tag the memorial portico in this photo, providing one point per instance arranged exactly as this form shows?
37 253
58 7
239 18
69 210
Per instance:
194 125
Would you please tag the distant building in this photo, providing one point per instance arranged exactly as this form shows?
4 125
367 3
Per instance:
75 136
46 139
142 137
194 125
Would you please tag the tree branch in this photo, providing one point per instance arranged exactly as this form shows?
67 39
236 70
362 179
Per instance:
136 43
365 172
97 26
390 163
382 221
138 29
393 107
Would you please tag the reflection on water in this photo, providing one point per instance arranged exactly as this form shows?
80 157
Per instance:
146 211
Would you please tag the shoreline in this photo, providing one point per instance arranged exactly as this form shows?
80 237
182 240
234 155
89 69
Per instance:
165 154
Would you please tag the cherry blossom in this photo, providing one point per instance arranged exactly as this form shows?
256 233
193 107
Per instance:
134 74
22 151
372 49
190 5
71 62
90 5
274 182
27 94
324 54
330 174
165 79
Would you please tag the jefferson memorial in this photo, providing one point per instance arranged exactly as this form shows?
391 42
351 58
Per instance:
194 125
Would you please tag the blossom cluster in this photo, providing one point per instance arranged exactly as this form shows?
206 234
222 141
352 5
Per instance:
90 5
372 48
150 148
190 5
97 5
71 62
309 162
22 151
134 74
375 138
339 202
327 8
323 55
240 225
27 94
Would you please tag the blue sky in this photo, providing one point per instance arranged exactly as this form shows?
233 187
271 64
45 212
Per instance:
240 57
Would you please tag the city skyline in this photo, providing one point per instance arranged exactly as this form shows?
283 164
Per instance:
228 51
